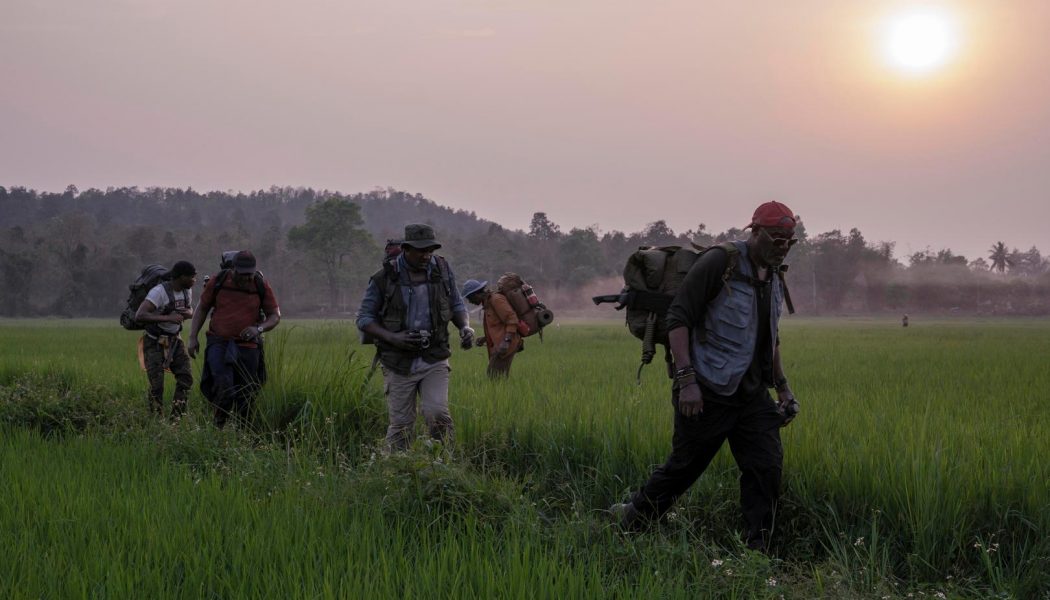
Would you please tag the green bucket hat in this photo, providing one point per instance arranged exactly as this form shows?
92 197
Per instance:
420 236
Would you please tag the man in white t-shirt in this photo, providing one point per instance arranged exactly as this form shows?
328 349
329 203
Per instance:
166 306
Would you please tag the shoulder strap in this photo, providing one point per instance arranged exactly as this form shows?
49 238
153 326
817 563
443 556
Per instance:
733 253
387 281
443 270
260 288
787 294
219 281
171 297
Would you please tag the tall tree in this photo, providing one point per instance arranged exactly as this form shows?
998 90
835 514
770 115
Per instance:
542 228
333 231
999 256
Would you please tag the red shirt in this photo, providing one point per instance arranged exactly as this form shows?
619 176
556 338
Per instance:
235 308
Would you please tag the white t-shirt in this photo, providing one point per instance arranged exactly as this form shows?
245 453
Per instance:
159 297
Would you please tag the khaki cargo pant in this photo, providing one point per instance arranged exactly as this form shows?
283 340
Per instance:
431 386
168 352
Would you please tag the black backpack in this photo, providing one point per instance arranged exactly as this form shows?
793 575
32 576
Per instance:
150 277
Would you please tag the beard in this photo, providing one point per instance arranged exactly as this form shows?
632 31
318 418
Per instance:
772 257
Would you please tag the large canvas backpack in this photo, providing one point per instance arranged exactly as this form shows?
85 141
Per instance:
652 277
150 277
533 315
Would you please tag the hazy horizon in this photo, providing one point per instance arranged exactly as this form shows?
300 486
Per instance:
598 113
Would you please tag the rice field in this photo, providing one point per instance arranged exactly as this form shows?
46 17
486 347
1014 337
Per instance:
918 466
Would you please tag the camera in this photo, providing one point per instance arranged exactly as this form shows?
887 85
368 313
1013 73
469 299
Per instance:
424 337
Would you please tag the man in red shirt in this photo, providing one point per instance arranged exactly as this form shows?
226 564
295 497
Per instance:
242 307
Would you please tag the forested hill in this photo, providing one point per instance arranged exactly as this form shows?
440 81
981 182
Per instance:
384 211
74 252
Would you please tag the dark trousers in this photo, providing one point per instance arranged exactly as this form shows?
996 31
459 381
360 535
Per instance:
167 352
234 370
752 426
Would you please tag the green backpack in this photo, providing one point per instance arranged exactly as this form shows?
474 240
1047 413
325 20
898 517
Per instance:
651 278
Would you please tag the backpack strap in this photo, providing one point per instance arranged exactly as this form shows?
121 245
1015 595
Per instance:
170 308
387 279
446 278
731 272
260 285
219 280
787 293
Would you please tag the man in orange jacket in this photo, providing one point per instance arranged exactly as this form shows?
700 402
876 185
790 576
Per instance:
501 326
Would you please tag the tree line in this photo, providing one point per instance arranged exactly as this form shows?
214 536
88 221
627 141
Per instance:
73 253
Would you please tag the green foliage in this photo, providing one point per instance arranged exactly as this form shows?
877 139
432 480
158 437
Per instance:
332 234
916 466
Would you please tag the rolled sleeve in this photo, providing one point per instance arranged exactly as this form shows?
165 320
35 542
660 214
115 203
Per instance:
370 306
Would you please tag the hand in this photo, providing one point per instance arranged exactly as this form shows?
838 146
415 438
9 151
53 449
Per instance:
185 312
251 334
466 338
481 342
787 406
176 317
690 400
405 340
192 347
503 349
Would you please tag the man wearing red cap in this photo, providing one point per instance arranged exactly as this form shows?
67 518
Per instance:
724 336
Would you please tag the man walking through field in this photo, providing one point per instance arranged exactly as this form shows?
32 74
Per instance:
166 306
501 326
242 306
407 308
723 327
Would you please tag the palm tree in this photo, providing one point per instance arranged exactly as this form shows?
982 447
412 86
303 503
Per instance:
1000 258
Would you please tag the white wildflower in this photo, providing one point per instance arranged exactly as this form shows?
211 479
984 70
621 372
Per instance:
859 542
771 582
716 563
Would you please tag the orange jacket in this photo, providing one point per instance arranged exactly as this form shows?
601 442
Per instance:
500 321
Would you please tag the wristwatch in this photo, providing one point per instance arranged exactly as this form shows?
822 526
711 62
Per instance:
260 329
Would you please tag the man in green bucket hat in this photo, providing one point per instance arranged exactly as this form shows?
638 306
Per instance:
406 309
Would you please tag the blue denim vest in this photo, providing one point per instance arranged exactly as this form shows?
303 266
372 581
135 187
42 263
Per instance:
723 350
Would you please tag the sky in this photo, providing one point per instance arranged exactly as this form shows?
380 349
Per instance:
600 113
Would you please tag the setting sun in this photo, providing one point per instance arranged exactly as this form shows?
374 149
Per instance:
920 41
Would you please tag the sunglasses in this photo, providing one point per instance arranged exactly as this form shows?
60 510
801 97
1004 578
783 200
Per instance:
780 242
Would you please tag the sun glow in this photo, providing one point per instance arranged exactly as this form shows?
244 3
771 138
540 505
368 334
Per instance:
920 41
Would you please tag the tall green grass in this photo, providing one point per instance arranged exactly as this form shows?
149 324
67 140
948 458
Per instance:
918 464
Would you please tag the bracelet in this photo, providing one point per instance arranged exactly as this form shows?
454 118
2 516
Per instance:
684 371
780 383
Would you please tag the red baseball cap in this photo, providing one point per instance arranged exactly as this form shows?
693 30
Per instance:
773 214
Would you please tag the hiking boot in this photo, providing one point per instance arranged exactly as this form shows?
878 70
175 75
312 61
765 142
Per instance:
757 541
626 516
